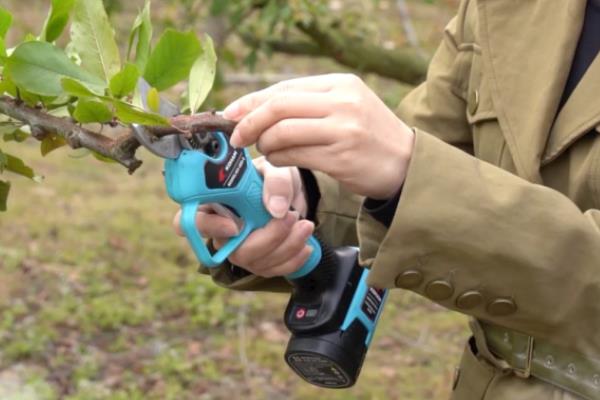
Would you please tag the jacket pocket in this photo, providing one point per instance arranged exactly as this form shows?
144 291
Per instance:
488 141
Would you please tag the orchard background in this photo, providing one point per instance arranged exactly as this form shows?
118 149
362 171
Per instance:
100 300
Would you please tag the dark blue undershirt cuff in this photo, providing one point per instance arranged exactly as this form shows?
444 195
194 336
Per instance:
313 194
382 210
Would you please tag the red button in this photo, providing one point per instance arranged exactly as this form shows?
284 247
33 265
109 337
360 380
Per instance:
300 313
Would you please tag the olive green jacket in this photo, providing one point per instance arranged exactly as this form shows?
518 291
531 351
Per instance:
499 215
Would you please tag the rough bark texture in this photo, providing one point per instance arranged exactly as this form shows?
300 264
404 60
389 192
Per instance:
121 149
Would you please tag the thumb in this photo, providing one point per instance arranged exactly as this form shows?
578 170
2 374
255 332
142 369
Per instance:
278 190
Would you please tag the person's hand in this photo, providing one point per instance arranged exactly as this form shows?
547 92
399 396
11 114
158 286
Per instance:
277 249
331 123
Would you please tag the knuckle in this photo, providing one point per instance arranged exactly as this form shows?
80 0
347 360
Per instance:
352 79
277 105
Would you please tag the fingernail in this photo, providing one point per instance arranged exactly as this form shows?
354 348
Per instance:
235 140
232 111
278 206
307 228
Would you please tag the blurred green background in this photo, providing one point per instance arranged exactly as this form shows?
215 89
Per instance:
100 300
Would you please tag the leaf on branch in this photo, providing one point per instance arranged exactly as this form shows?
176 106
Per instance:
202 75
102 158
125 81
17 166
5 22
92 110
77 89
172 59
39 67
57 19
7 86
50 143
4 190
16 136
130 114
142 30
153 100
2 52
93 39
3 161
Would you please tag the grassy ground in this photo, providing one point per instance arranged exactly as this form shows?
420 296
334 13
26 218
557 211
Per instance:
100 300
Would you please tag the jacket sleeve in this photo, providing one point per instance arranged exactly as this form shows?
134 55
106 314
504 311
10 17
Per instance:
479 240
336 214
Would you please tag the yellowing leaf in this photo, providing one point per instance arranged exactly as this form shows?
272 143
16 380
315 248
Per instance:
93 39
202 75
153 100
50 143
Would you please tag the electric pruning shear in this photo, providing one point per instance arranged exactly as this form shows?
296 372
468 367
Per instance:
332 313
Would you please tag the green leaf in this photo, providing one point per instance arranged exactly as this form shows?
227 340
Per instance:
50 143
15 136
2 51
16 165
7 86
125 81
172 59
39 67
76 88
102 158
3 161
57 19
93 39
129 114
218 7
202 75
4 190
92 110
142 29
9 127
153 100
5 22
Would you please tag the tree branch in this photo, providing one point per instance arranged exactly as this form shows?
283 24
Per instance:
121 149
404 65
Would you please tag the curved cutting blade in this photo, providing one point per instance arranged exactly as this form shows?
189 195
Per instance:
166 146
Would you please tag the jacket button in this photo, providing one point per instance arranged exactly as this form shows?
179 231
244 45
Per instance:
409 279
501 307
469 299
439 290
473 101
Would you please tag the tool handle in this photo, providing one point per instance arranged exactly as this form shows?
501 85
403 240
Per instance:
230 179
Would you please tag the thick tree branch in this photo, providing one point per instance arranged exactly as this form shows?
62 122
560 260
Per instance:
121 149
404 65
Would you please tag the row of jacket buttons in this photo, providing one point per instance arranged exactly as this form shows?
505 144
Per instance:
440 289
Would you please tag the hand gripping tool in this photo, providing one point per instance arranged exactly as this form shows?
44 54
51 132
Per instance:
332 312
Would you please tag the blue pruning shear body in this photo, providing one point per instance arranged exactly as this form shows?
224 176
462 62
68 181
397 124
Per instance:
205 169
